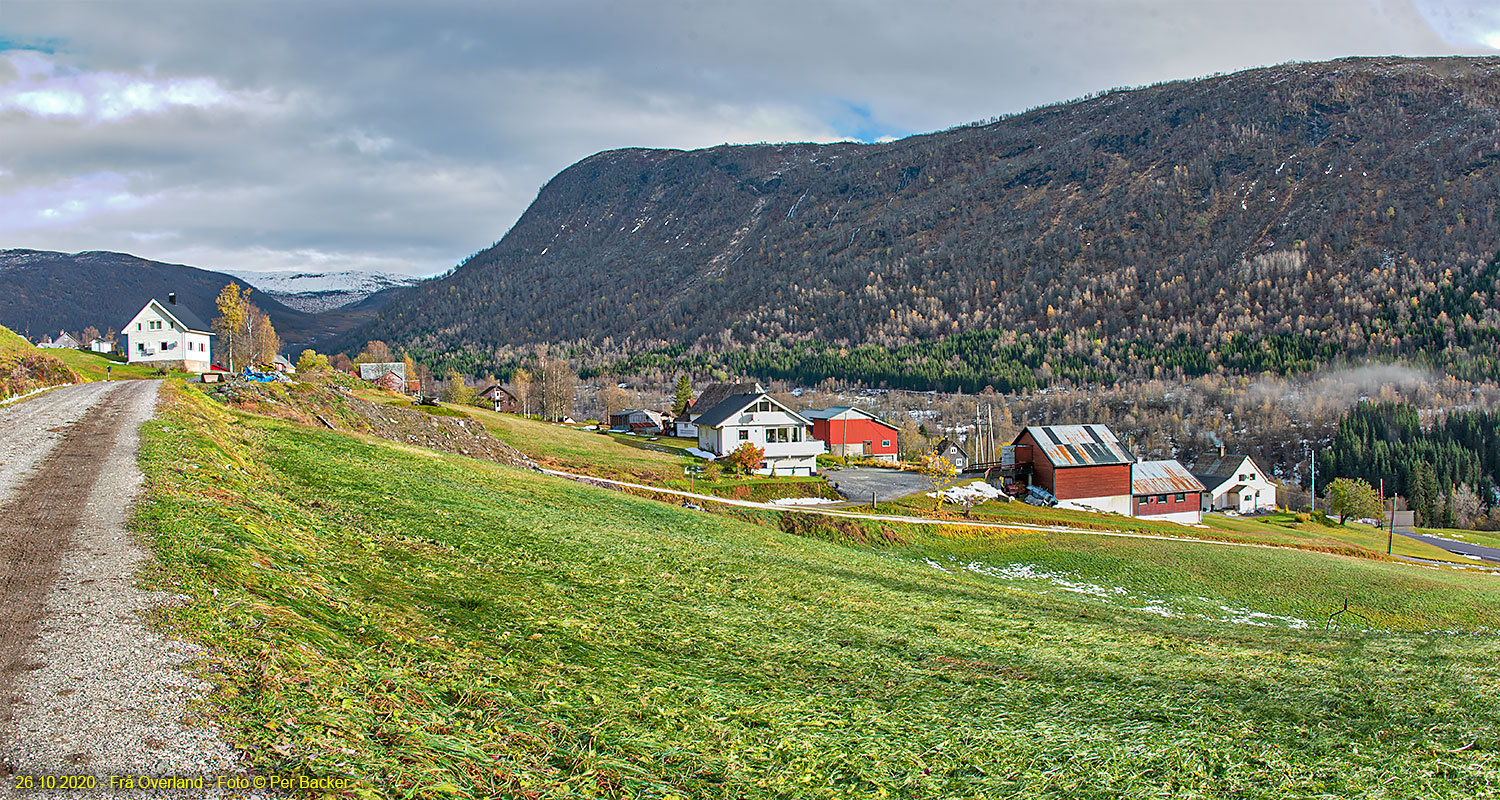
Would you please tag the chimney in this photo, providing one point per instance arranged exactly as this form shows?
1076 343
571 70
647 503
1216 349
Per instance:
172 298
1221 451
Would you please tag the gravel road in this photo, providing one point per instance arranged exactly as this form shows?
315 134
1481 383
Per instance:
86 686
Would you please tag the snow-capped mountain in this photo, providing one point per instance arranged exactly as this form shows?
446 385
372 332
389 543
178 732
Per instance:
322 291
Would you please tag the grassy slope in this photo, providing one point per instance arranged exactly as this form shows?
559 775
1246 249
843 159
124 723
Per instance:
440 626
91 366
24 368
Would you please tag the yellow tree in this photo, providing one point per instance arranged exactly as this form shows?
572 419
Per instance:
938 474
232 305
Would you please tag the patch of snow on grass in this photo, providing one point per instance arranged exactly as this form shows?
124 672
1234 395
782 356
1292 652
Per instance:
801 501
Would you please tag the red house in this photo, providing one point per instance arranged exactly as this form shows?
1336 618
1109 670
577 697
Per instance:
853 433
1083 466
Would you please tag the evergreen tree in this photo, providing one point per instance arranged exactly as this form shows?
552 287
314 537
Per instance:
684 396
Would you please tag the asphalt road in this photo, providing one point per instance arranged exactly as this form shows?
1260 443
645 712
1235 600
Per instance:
1457 547
856 483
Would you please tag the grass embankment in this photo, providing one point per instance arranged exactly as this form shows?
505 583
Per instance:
636 459
438 626
24 368
1274 529
97 367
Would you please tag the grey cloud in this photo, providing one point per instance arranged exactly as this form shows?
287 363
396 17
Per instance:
416 133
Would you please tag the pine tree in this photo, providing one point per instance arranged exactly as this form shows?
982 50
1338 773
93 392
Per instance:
684 396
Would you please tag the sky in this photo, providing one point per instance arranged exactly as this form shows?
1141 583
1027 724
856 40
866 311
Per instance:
404 136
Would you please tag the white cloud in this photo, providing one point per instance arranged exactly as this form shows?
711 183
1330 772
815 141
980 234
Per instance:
44 88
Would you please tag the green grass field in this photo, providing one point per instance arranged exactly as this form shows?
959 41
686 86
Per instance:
25 368
440 627
92 366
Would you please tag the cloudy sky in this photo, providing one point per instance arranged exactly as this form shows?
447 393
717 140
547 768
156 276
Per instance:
364 134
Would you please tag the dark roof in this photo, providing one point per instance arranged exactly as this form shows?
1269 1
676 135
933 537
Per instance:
182 314
944 444
726 408
497 388
835 411
716 394
1078 445
1217 468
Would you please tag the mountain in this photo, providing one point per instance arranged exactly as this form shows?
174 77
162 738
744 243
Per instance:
1274 219
322 291
44 292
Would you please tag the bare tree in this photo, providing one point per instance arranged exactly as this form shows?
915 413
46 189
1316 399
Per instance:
558 385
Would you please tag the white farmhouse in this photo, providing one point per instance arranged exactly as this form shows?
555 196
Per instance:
168 335
759 419
1234 483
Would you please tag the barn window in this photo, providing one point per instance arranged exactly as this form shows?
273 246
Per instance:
1161 498
885 442
1181 497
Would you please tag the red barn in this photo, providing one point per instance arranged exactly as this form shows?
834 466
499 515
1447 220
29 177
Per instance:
1166 490
1083 466
853 433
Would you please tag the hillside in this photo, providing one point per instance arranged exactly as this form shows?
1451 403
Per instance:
427 625
24 368
1273 219
44 292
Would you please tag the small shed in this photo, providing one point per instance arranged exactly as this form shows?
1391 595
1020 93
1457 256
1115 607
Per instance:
638 420
1165 490
953 452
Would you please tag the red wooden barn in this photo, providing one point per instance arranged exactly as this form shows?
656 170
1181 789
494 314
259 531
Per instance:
1083 466
853 433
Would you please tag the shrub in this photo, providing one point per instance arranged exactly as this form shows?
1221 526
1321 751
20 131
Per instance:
745 459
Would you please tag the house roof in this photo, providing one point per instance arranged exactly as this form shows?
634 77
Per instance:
1216 469
491 391
370 370
1078 445
184 316
716 393
734 404
1162 477
836 412
944 444
654 416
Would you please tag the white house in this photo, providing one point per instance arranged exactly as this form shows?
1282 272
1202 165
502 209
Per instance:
101 345
168 335
64 341
1234 483
759 419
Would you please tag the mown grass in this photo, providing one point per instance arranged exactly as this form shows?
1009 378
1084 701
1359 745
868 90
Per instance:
439 627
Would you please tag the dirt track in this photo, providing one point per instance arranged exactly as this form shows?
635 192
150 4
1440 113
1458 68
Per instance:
87 687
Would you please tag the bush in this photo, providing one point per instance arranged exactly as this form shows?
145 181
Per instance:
745 459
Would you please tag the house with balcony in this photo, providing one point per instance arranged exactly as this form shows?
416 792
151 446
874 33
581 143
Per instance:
168 335
761 420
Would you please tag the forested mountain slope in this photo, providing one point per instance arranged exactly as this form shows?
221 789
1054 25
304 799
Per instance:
1271 219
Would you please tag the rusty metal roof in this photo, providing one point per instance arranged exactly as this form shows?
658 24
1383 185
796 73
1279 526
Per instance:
1079 445
1162 477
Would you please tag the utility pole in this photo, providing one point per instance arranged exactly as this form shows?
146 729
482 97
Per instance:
1315 482
1390 533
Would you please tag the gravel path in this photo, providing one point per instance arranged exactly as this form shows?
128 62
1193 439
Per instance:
93 689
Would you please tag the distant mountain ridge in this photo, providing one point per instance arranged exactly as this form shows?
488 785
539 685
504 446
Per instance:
1272 219
42 292
322 291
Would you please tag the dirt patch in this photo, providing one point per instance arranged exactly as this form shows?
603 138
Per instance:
36 527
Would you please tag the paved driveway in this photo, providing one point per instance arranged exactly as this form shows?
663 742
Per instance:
856 483
1456 547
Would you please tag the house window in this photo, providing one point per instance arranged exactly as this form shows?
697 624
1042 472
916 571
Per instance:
140 346
796 434
744 434
1181 497
138 326
885 442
